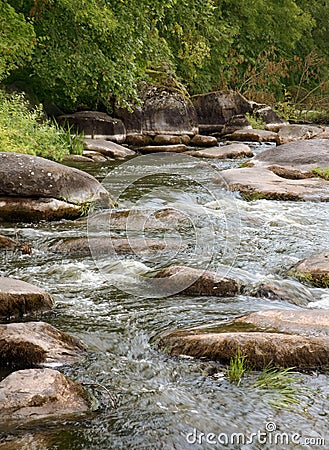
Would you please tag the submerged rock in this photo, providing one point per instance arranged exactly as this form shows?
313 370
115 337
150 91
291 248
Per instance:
302 322
9 244
34 394
260 183
313 270
190 281
33 188
18 299
29 344
260 349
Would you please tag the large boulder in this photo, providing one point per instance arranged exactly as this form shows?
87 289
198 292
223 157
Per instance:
215 109
259 183
190 281
302 322
34 188
18 299
260 349
34 394
295 159
313 270
163 111
289 133
95 125
29 344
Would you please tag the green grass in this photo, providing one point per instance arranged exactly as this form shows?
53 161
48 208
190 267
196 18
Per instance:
322 173
256 122
26 130
238 368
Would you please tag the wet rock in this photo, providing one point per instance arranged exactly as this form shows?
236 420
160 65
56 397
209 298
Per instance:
291 133
34 394
112 246
271 118
217 108
261 349
163 111
9 244
223 152
18 299
302 322
258 183
95 156
33 441
190 281
296 159
313 270
29 344
108 148
95 125
76 158
252 135
36 188
179 148
203 141
285 290
168 139
139 140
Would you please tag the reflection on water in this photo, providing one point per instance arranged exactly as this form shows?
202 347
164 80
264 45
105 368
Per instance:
161 399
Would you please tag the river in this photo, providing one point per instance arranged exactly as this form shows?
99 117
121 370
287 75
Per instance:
164 402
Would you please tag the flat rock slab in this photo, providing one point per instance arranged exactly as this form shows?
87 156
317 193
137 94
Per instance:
18 299
259 183
190 281
314 270
302 322
289 133
169 139
28 395
28 344
178 148
223 152
113 246
295 159
12 245
252 135
200 140
108 148
261 349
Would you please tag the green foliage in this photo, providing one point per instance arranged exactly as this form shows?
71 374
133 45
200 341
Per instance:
25 130
238 368
256 122
17 40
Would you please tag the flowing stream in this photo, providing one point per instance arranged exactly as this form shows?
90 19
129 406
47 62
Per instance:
163 400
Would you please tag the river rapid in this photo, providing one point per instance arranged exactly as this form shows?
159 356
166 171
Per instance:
163 402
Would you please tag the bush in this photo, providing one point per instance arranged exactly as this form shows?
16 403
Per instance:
26 130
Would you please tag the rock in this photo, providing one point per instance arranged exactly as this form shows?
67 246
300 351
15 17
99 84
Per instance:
284 290
203 141
29 344
313 270
77 158
95 125
295 160
9 244
35 394
236 123
139 140
217 108
302 322
108 148
179 148
168 139
112 246
95 156
224 151
18 299
259 183
260 349
290 133
270 117
252 135
33 441
36 188
163 111
190 281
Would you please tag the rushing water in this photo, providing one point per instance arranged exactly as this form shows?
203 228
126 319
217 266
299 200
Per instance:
162 399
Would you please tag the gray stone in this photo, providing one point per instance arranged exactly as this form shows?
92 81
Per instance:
203 141
9 244
223 152
34 394
313 270
252 135
168 139
291 133
178 148
18 299
108 148
30 344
